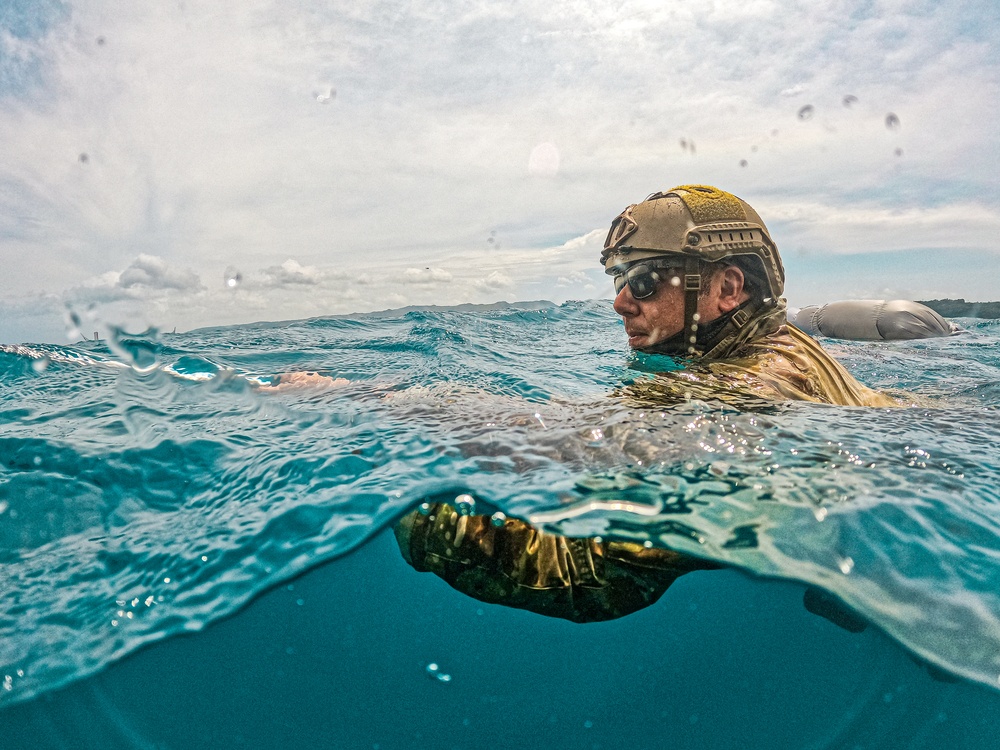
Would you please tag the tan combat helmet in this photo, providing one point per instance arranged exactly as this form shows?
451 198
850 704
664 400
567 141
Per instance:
695 223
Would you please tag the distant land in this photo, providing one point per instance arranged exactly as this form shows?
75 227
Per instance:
959 308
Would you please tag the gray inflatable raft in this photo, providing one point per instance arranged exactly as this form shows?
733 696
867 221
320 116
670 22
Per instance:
872 320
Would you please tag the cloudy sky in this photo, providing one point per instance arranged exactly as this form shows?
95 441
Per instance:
205 162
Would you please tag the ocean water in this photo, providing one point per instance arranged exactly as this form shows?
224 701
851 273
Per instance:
190 558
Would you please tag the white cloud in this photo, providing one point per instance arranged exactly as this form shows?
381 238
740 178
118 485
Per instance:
426 276
214 140
152 272
850 230
495 280
292 273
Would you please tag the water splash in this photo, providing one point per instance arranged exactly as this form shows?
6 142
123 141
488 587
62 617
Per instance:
138 350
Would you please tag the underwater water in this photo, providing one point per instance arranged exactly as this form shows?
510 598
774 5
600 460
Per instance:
153 485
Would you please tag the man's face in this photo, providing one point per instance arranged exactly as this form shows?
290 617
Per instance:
653 319
656 318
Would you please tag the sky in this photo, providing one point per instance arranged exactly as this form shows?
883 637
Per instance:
212 162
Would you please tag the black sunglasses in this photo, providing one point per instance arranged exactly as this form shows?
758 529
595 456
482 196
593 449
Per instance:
644 278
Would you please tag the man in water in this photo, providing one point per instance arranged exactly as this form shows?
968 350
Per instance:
698 277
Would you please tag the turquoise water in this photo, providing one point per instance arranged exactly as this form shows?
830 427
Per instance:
153 487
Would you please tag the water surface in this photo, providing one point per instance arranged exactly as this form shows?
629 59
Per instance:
152 487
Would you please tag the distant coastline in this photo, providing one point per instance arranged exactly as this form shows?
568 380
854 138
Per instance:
959 308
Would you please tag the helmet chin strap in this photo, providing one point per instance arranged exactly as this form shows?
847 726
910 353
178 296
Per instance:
692 288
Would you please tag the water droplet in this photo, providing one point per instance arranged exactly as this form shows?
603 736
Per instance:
675 281
8 682
166 580
719 468
73 324
846 565
596 435
647 544
806 112
465 504
424 509
544 160
898 152
588 724
233 277
100 41
744 162
325 95
891 121
41 364
820 513
140 350
498 519
84 158
850 100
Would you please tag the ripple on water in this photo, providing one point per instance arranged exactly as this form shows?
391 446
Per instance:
138 504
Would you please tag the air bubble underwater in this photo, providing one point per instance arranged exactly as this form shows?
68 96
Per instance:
465 504
435 673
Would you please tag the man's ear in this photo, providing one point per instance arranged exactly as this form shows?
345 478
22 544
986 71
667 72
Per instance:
731 293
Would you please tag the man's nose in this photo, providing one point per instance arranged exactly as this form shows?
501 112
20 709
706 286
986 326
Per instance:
625 303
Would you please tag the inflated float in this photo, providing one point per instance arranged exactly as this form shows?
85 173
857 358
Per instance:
872 320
